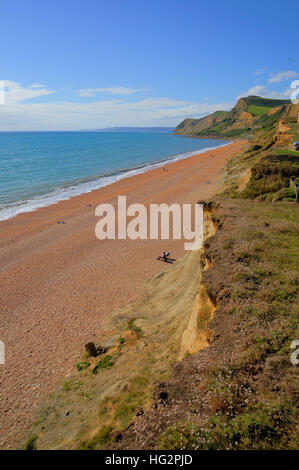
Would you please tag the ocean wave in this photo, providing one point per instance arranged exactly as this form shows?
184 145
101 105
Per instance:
86 185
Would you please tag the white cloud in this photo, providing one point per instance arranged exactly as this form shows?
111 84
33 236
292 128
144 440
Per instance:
18 114
255 90
281 76
16 92
37 85
264 91
260 90
119 90
261 71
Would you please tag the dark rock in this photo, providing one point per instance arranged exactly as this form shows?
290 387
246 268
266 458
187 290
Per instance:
91 349
163 396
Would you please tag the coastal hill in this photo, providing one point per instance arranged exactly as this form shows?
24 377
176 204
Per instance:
264 170
248 115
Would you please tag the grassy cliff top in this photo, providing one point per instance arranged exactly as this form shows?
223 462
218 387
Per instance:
245 118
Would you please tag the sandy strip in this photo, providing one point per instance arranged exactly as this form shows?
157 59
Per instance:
58 281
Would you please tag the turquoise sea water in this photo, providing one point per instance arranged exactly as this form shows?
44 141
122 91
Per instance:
41 168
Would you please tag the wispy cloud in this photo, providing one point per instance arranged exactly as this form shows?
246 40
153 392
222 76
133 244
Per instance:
37 85
16 92
282 76
119 90
260 90
20 114
261 71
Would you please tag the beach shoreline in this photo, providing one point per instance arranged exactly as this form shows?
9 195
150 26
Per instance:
89 184
58 281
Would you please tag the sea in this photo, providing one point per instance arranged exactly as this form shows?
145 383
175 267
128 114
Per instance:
41 168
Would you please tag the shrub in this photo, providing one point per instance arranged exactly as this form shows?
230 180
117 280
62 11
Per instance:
105 363
31 443
82 365
98 441
132 327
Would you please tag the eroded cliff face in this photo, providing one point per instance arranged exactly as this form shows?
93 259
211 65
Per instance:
287 126
197 335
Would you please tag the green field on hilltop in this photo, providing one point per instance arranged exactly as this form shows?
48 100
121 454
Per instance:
220 113
258 110
280 151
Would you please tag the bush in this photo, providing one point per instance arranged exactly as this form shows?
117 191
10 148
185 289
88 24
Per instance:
82 365
99 441
132 327
31 443
103 364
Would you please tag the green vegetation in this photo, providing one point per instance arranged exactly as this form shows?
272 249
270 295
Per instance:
220 130
82 365
128 401
220 113
266 102
67 386
270 178
280 151
117 412
31 443
99 441
265 124
72 384
105 363
132 327
264 428
258 110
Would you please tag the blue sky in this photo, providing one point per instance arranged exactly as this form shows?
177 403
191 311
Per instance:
73 64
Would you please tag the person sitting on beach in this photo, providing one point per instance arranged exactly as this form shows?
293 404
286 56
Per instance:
164 256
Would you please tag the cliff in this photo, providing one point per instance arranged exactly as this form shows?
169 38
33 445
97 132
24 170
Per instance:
245 119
